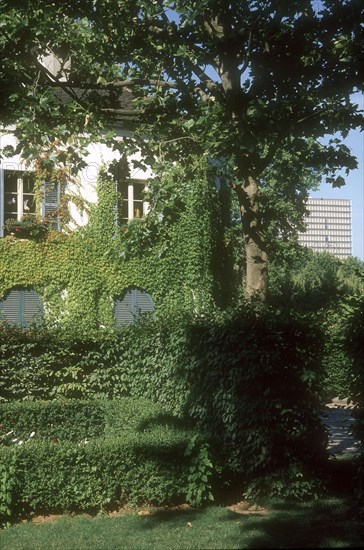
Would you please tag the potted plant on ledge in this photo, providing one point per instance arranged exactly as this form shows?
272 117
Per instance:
26 228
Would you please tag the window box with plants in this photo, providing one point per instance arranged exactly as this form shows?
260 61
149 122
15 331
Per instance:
29 227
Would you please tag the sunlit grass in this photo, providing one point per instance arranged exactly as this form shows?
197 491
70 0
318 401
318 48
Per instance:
329 523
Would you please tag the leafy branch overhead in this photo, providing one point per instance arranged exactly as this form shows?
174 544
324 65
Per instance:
249 82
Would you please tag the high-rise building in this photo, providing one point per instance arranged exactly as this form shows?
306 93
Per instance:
328 227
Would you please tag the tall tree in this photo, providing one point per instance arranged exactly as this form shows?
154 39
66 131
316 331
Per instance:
253 83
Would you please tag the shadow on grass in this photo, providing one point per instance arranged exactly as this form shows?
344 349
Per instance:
331 523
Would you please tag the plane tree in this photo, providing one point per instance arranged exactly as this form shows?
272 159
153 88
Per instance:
255 84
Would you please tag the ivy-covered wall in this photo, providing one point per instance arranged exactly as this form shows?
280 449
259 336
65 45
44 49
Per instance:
174 253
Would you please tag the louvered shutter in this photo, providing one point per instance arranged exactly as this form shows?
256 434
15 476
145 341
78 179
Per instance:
22 308
134 303
10 308
123 312
51 200
143 302
32 308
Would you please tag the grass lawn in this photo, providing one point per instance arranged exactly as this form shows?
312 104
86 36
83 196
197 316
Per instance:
332 522
328 523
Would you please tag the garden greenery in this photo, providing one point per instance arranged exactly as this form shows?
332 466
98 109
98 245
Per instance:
88 455
250 382
172 254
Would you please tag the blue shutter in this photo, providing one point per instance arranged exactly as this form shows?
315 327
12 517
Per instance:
134 302
32 308
22 308
51 201
123 311
10 308
143 302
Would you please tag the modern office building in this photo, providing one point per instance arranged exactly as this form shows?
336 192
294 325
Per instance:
328 227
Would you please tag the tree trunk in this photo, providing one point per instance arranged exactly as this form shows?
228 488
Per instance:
248 193
255 249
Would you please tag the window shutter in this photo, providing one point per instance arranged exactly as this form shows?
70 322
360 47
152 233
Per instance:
133 303
32 308
51 201
22 308
143 302
10 311
124 310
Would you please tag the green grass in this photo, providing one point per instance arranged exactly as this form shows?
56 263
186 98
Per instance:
328 523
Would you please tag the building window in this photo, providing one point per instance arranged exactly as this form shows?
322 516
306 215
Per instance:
51 201
131 192
132 303
18 198
21 308
133 204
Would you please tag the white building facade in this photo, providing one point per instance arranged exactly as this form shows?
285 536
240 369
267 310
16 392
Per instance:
329 227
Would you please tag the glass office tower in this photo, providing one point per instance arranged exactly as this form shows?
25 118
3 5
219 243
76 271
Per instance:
328 227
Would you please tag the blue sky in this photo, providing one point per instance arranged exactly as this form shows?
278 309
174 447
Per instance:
354 188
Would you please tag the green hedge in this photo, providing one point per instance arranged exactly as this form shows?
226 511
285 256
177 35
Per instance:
143 455
75 420
248 380
130 469
66 420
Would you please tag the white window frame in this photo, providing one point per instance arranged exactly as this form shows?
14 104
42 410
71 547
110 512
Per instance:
130 198
19 208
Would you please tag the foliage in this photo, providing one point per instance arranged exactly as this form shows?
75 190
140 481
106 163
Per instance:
72 420
200 472
133 454
27 227
174 258
249 381
256 388
256 85
7 474
354 347
321 284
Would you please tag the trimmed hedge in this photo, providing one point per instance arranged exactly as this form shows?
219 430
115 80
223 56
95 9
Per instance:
75 420
51 420
130 469
141 458
250 381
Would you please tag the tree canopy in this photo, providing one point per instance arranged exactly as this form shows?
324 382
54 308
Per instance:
254 84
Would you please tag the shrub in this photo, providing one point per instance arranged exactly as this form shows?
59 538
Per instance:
126 452
250 381
337 372
130 469
354 346
71 420
255 386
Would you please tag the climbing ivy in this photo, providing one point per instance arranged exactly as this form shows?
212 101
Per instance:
171 253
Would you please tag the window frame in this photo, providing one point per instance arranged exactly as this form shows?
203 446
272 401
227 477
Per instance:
39 208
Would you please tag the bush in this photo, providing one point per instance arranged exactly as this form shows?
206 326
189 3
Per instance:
250 381
71 420
140 457
130 469
337 372
354 347
256 388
